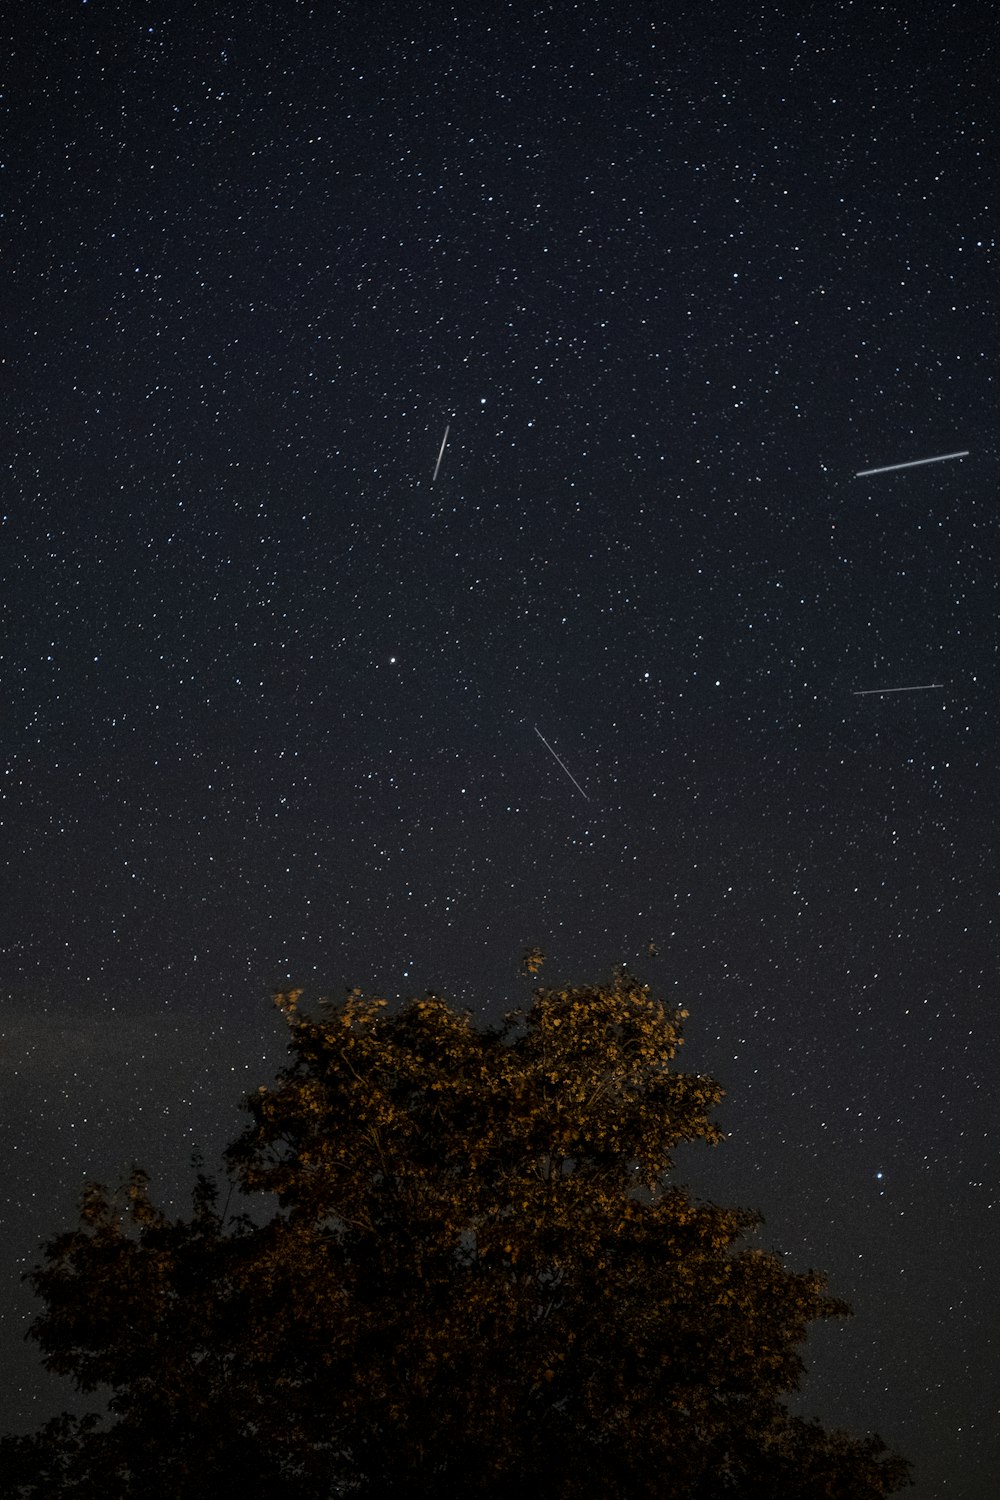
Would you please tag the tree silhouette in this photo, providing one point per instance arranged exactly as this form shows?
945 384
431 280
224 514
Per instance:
478 1277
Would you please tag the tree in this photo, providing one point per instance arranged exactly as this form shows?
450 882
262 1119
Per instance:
480 1278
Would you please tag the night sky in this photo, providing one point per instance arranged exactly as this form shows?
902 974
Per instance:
274 698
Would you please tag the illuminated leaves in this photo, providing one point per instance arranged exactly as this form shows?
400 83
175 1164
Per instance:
480 1278
532 961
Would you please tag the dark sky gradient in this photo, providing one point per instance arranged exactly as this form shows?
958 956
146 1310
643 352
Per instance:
672 274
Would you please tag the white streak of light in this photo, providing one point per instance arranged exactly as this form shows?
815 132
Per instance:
914 463
565 767
923 687
441 454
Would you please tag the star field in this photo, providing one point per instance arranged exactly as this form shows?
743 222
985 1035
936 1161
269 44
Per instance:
670 276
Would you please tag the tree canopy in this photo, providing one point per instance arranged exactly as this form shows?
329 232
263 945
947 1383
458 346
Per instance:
470 1270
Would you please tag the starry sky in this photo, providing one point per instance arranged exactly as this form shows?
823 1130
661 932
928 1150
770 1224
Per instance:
276 701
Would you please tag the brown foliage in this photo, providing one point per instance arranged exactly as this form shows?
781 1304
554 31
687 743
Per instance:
479 1277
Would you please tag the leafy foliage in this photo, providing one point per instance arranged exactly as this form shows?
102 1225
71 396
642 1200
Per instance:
479 1278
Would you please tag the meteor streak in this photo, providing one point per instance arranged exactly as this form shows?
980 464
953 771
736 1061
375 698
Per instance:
565 767
441 454
922 687
914 463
